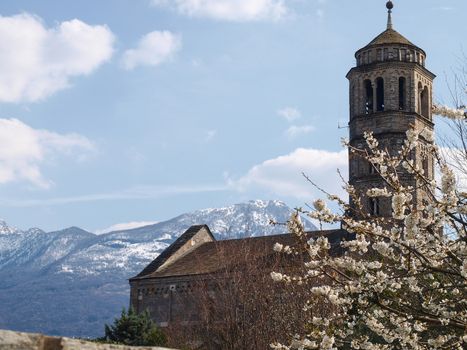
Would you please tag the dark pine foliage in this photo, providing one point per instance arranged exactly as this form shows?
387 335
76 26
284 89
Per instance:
134 329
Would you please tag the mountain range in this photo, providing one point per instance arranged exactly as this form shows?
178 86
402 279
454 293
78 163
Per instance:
71 282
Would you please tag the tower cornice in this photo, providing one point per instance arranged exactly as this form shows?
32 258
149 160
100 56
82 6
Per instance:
400 114
390 64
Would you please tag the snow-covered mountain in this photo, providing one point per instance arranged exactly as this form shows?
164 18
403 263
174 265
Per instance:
7 230
34 249
71 282
129 250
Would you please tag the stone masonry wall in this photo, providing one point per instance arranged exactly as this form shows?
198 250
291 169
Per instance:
28 341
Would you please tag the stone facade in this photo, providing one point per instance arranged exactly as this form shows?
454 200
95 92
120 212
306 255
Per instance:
167 299
390 92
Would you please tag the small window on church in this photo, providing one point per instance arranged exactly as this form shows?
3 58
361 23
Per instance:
380 94
368 97
374 206
402 89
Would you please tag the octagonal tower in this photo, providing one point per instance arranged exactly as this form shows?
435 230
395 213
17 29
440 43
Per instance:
390 90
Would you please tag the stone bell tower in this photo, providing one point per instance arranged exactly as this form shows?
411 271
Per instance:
390 90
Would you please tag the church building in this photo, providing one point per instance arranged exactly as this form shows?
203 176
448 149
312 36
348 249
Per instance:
390 92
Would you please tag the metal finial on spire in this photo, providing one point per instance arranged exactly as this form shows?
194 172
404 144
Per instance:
389 6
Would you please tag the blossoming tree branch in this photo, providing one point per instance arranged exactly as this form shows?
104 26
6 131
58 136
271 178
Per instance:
402 281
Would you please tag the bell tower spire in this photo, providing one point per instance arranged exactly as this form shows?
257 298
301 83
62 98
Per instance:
390 93
389 6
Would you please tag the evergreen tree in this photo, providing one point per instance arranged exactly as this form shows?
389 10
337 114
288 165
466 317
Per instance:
135 329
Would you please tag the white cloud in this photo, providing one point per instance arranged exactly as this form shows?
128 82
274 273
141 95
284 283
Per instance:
289 113
295 131
283 175
125 226
25 149
209 135
36 61
229 10
443 8
153 49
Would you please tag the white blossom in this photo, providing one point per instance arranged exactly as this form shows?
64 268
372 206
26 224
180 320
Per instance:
278 247
464 269
327 343
428 135
451 113
378 192
412 137
277 277
399 201
448 182
319 204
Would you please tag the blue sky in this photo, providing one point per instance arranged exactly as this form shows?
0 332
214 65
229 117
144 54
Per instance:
117 111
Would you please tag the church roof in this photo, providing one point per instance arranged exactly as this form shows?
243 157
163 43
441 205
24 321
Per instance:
225 255
390 36
167 253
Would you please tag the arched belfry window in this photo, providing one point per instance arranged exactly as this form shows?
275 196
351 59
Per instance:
368 96
425 166
374 206
380 94
402 93
424 100
420 90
